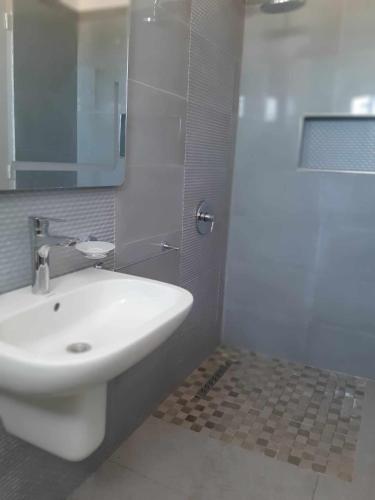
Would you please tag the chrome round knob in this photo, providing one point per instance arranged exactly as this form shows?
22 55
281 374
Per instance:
205 219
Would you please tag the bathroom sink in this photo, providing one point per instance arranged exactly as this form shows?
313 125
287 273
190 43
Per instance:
57 352
118 318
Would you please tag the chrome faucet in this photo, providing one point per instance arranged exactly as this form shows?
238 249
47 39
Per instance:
41 243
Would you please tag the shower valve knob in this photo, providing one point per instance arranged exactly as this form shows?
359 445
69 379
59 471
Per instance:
205 219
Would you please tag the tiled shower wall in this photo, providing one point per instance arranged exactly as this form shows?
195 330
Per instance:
183 72
300 269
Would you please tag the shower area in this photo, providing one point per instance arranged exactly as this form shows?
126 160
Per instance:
290 381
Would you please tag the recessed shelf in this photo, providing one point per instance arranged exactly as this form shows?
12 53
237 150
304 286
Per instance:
338 143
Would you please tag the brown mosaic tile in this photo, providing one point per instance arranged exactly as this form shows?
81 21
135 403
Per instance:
307 417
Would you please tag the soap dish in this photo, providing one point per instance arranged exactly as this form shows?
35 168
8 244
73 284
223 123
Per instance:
95 249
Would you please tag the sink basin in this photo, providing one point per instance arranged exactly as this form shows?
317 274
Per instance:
57 352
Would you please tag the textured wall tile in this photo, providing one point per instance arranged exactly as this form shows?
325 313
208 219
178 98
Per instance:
212 75
210 134
205 289
212 184
85 212
220 21
208 137
339 144
202 252
28 473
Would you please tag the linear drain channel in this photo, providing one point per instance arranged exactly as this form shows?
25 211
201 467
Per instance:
78 348
213 380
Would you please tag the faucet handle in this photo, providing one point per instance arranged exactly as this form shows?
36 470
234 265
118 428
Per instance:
40 224
41 219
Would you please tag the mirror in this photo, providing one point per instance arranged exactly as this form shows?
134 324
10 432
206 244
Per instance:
63 80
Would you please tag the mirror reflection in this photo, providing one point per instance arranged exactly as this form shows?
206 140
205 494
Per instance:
63 67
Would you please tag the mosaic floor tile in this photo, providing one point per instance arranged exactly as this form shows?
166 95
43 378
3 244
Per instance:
305 416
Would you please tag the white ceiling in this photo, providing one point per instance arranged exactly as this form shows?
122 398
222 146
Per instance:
88 5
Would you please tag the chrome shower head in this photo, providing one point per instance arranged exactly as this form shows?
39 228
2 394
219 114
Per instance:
153 18
281 6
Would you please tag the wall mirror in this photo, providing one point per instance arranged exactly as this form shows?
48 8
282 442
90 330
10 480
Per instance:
63 80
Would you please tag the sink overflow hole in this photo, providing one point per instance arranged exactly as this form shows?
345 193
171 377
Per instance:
56 307
78 348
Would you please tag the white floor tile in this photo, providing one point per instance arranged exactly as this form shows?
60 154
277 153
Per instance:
112 482
167 462
330 488
206 469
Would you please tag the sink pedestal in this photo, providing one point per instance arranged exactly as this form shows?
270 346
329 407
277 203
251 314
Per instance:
69 426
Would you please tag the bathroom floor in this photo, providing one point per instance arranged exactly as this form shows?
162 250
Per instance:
294 413
242 426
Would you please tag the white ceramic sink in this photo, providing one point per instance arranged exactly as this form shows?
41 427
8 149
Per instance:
56 398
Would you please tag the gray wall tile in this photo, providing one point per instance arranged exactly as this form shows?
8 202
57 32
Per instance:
257 236
300 270
164 267
263 334
150 203
141 250
346 303
168 36
156 127
270 290
331 346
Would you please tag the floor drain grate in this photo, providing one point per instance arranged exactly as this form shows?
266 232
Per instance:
213 380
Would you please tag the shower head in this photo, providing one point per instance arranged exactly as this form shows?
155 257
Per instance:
281 6
153 18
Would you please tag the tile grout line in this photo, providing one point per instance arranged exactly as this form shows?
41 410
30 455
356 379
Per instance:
158 89
141 474
315 487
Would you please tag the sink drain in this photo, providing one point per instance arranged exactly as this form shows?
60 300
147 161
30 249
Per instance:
78 348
